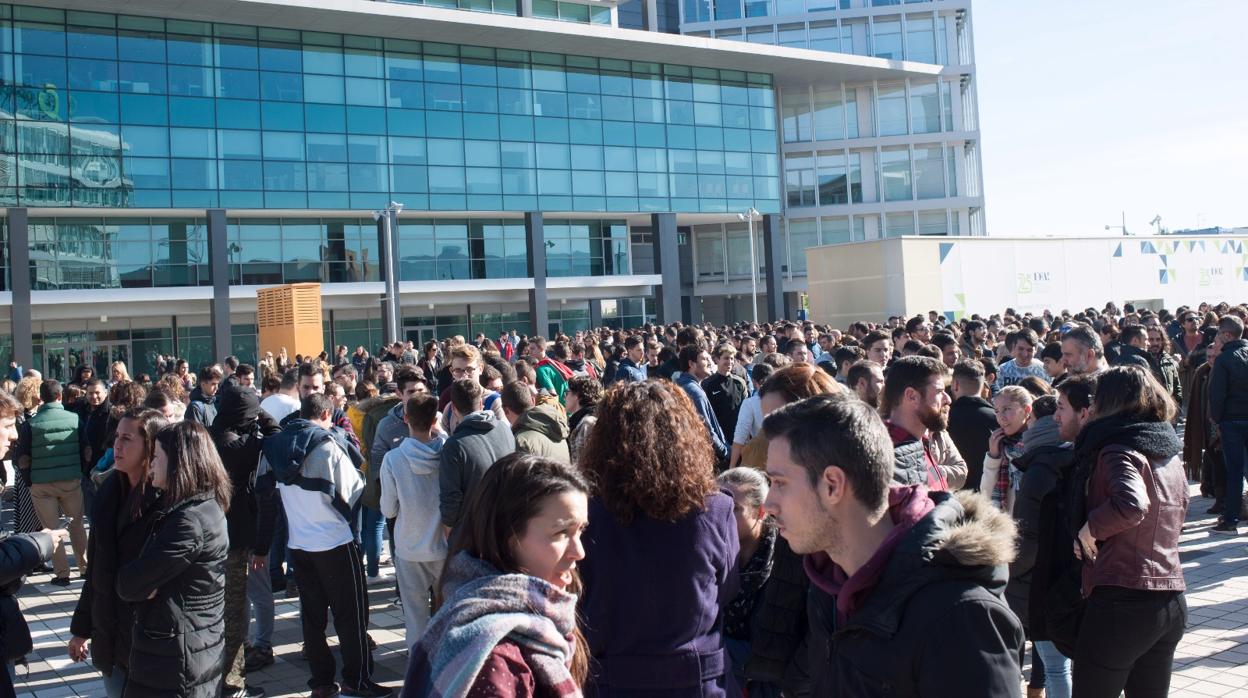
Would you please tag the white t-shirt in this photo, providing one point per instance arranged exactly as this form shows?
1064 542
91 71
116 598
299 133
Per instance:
278 405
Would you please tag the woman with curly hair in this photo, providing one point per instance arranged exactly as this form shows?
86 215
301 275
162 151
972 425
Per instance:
660 551
26 521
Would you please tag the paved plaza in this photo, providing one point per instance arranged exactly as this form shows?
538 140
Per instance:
1212 660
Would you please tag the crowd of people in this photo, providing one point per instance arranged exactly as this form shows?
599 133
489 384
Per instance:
786 509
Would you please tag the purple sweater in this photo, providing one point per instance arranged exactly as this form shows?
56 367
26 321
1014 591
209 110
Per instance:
652 601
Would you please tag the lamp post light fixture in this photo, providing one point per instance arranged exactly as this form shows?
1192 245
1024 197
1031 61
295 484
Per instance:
389 218
749 216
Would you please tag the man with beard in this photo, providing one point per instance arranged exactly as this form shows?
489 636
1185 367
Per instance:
915 404
866 379
972 419
1082 351
908 568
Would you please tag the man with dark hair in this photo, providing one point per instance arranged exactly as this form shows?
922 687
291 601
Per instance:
695 367
203 407
95 416
552 373
477 442
950 352
245 376
632 367
866 379
1074 406
312 381
972 419
1082 351
285 401
314 468
1051 359
49 457
539 429
868 547
797 351
1134 350
841 359
916 405
918 328
724 389
879 347
1228 409
1022 348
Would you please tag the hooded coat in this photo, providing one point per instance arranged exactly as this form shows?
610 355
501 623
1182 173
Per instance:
409 494
543 431
237 430
479 440
934 623
1045 540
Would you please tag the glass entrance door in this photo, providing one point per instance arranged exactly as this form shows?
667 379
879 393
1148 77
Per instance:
103 354
63 361
419 335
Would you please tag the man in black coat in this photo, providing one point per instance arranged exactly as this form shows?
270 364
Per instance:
907 585
971 418
478 441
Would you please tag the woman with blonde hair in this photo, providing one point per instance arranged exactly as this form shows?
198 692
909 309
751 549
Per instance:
26 520
1000 477
117 373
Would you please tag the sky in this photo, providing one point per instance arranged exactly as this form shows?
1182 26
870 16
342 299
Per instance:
1092 108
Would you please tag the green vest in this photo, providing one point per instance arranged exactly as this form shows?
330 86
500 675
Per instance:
54 454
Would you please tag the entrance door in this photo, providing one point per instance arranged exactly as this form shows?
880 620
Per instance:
63 360
419 335
103 354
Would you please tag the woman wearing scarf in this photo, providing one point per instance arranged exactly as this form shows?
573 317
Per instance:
507 624
1132 498
1005 445
121 518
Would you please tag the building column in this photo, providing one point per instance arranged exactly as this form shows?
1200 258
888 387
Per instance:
388 244
535 244
595 313
773 254
652 15
219 306
667 306
19 283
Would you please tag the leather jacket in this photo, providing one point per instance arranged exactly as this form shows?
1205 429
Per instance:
1136 507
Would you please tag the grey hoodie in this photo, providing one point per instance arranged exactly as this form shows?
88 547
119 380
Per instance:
478 441
410 493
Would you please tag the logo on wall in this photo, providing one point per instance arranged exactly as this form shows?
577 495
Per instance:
99 171
1034 282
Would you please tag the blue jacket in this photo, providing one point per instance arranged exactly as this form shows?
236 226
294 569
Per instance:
629 372
1228 384
703 406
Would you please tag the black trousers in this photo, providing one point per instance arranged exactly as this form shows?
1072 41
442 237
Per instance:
334 580
1127 642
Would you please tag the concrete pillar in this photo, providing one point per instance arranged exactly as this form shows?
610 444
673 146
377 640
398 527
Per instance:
535 244
19 283
391 312
595 313
219 306
667 306
777 307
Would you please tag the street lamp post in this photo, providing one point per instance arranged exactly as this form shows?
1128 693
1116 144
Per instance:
748 216
1122 227
390 302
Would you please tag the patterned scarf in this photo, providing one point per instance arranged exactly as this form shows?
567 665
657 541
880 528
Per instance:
1008 477
483 608
753 576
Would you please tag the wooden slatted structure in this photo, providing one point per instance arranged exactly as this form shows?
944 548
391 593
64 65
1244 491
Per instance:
290 316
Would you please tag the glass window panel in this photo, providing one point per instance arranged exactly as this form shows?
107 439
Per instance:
193 142
189 50
825 36
929 172
895 174
238 84
148 173
284 57
803 233
901 223
933 223
886 39
141 46
93 107
39 71
829 116
143 78
892 109
329 176
232 53
92 74
283 146
795 115
920 39
368 177
924 108
834 230
238 143
833 179
799 176
952 166
793 35
192 111
322 59
144 109
194 174
31 37
285 176
364 63
365 91
482 153
191 81
237 113
550 104
283 87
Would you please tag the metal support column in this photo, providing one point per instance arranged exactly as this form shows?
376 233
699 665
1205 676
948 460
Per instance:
21 324
535 243
667 264
388 239
219 306
595 313
773 255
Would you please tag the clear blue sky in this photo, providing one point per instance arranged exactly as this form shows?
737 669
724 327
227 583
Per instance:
1090 108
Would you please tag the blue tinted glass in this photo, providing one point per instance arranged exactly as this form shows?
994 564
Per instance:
325 118
407 95
238 84
550 130
239 144
193 142
282 87
285 57
93 107
367 149
38 71
236 53
483 126
327 176
145 78
482 153
283 146
141 46
188 50
446 180
92 74
148 173
194 174
320 59
191 81
144 109
403 66
327 147
39 38
284 176
405 122
145 141
363 63
365 92
323 88
368 177
281 116
192 111
366 120
235 113
410 178
445 124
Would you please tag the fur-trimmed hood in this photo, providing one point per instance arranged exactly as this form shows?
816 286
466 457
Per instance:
964 537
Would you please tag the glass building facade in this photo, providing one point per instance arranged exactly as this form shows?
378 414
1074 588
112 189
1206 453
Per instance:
120 111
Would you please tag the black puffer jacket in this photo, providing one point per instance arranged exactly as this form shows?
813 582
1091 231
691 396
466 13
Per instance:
934 624
1228 383
971 422
178 641
909 463
1045 541
19 554
779 632
115 541
237 430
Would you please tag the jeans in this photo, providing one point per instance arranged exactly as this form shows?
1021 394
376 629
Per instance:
115 683
1056 670
1235 451
260 597
277 552
1127 641
370 537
